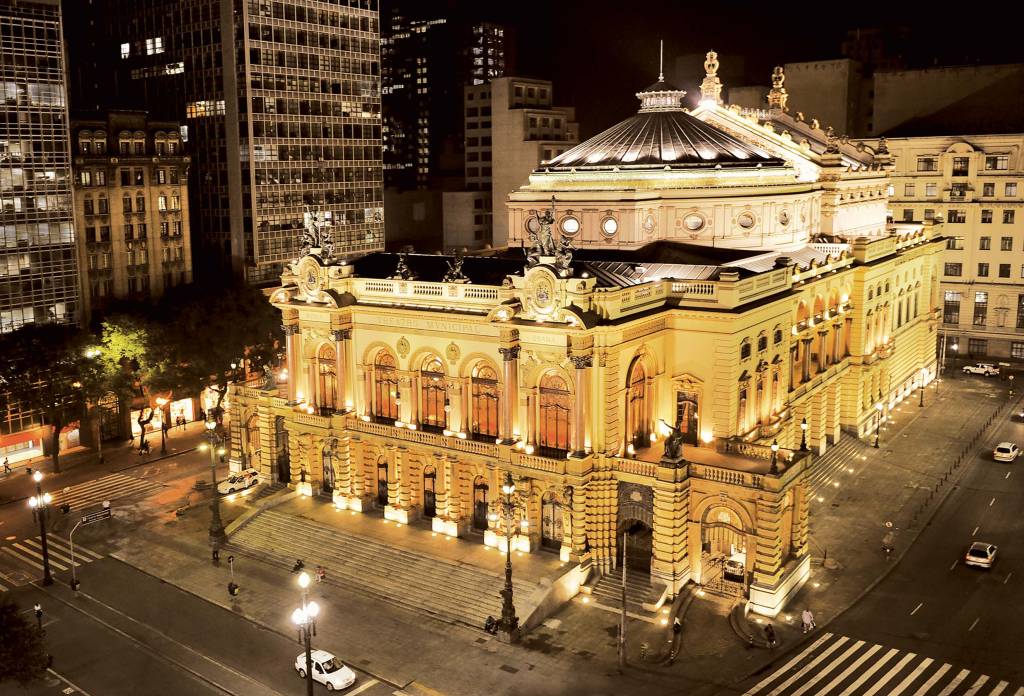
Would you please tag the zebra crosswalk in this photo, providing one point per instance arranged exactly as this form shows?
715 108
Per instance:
843 666
110 487
24 558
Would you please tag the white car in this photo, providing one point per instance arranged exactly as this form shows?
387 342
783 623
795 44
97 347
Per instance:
985 369
238 481
981 554
1006 452
327 669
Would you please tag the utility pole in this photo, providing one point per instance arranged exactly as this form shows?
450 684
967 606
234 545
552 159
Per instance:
622 626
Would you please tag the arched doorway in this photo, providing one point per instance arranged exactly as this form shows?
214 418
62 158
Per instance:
637 405
551 530
433 396
281 457
253 447
429 494
555 410
480 504
385 387
382 481
723 552
327 387
328 467
638 537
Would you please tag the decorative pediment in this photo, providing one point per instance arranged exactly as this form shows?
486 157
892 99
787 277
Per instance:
687 382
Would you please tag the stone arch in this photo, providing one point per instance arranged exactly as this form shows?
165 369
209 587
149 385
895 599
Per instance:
371 351
819 305
546 369
701 509
802 312
472 361
421 356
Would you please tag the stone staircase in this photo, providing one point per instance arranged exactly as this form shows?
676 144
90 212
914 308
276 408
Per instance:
451 591
266 491
608 591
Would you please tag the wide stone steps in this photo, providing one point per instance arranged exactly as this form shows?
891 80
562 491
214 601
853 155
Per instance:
452 591
608 591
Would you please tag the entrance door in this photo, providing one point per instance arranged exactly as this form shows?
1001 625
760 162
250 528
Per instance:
639 545
480 506
382 482
551 533
328 461
284 474
429 498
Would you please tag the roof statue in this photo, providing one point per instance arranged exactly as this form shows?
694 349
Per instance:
454 273
316 236
542 241
402 270
777 96
883 147
831 142
711 87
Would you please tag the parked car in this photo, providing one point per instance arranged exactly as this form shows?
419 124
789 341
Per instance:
327 669
1006 452
981 554
733 570
1018 415
985 369
238 481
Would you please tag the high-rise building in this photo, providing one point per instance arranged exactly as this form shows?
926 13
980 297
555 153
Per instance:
131 207
37 255
281 106
427 58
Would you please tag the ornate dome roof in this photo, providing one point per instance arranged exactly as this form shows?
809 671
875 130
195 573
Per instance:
662 134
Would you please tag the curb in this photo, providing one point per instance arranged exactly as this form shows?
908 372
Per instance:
894 562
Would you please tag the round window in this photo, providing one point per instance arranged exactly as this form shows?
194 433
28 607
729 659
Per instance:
570 225
694 222
745 220
784 217
532 224
609 226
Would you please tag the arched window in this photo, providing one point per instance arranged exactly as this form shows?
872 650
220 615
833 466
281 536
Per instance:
777 335
636 404
328 380
385 387
762 343
429 494
745 349
555 410
433 395
480 504
485 402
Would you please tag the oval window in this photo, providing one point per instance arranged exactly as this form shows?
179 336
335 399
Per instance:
694 222
784 217
745 220
650 223
532 224
570 225
609 226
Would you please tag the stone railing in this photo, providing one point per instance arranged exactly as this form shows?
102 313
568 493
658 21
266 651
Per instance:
532 461
635 467
727 476
413 292
313 419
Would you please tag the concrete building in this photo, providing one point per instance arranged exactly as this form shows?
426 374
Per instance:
708 298
131 207
511 128
976 184
281 110
38 269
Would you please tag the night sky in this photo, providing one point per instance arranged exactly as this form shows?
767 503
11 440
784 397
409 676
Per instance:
600 52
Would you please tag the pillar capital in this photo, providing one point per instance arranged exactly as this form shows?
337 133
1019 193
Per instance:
290 329
339 335
582 362
509 353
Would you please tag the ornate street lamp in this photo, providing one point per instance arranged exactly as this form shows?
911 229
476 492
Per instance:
775 458
803 435
878 422
217 535
162 403
40 504
305 619
507 508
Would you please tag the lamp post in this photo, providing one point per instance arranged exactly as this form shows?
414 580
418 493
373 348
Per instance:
40 503
775 458
508 506
924 373
162 403
803 435
878 422
1011 385
38 609
305 619
217 535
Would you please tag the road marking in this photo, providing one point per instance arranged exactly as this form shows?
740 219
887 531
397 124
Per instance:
973 625
934 679
951 687
849 670
838 661
790 665
1008 575
977 685
975 532
889 675
992 502
363 687
68 682
55 564
1007 474
954 565
1000 687
902 686
8 550
871 670
810 666
921 604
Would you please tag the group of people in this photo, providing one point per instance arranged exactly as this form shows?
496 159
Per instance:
321 572
806 618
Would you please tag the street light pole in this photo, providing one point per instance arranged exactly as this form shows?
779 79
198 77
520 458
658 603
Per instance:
509 622
803 435
304 618
39 504
878 422
162 403
217 535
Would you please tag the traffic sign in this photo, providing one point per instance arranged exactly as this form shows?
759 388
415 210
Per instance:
97 516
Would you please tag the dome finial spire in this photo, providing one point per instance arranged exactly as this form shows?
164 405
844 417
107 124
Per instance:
711 87
661 60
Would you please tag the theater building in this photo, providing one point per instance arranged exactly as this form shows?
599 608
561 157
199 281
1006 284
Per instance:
693 289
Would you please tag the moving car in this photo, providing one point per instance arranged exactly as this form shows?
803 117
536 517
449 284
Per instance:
733 570
238 481
985 369
1006 452
327 669
1018 415
981 554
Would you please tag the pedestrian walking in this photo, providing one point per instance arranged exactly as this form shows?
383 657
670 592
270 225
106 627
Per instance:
769 635
7 465
808 620
320 573
677 626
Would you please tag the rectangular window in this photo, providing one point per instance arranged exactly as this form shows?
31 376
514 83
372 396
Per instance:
126 177
1006 244
1020 311
977 346
908 190
980 308
101 204
126 204
929 213
101 177
161 176
161 203
956 216
85 178
984 243
927 164
87 206
140 178
908 215
958 192
1008 216
953 269
983 270
955 243
1011 190
986 217
1016 349
951 307
931 190
1004 270
126 50
961 166
988 190
172 175
997 163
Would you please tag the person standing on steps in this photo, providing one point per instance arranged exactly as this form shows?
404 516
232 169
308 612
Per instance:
808 620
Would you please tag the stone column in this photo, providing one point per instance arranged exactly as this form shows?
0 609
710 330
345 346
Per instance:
293 346
582 363
365 405
768 567
806 367
822 350
341 338
671 561
510 391
793 367
801 526
311 382
455 416
342 461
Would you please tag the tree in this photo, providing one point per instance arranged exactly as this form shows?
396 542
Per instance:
45 368
130 357
22 654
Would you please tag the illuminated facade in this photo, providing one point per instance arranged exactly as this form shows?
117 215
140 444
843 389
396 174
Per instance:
731 281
